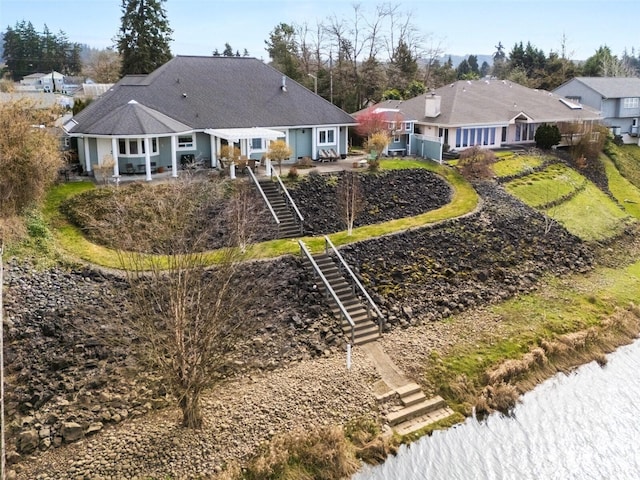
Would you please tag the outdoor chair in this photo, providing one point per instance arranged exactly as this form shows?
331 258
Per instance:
323 156
130 169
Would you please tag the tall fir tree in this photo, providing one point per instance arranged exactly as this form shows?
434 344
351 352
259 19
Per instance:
27 51
143 41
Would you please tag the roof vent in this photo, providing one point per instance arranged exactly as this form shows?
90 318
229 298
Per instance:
184 95
283 87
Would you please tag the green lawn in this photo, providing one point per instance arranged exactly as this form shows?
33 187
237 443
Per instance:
507 166
590 215
627 194
541 188
561 306
627 160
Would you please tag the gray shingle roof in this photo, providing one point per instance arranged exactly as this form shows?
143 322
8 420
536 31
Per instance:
488 102
613 87
218 92
135 119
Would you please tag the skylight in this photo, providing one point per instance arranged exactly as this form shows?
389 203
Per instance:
570 104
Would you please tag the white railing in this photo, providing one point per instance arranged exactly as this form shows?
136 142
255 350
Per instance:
345 314
329 245
264 197
289 200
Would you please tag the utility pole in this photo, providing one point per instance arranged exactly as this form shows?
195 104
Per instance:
315 83
330 76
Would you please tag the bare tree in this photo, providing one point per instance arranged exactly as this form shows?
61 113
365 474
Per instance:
103 66
242 214
188 315
475 162
350 199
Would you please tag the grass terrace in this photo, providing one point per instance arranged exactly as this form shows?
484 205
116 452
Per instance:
509 164
464 200
551 184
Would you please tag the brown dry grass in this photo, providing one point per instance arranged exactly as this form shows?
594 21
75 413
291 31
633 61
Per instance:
322 454
505 383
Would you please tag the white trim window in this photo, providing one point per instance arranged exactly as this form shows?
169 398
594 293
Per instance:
258 145
631 102
326 136
407 126
396 139
186 141
134 147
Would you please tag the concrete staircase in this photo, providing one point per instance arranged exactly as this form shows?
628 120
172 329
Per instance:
288 227
365 330
415 411
406 407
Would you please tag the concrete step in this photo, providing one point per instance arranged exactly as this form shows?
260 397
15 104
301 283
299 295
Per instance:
410 412
408 389
413 399
362 339
422 421
359 327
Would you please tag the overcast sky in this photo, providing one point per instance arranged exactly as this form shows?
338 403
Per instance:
458 27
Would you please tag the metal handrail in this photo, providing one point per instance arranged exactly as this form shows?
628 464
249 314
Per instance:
264 197
292 203
329 243
343 310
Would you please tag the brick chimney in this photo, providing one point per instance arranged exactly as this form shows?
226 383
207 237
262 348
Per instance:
432 105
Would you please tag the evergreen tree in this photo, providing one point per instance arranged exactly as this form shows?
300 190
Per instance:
283 51
499 62
228 51
403 67
473 64
26 51
463 72
485 68
144 36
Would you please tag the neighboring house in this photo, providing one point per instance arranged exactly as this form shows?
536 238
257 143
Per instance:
191 106
617 98
487 113
47 82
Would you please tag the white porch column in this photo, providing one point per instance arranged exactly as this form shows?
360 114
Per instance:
212 142
243 146
147 160
114 154
87 158
174 160
214 157
314 143
346 141
267 166
232 171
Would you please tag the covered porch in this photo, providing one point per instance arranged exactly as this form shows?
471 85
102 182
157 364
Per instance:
251 141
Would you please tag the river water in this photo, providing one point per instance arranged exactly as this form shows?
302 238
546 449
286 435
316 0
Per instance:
585 425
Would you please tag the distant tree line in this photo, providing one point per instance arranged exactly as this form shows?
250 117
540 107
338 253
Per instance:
28 51
364 58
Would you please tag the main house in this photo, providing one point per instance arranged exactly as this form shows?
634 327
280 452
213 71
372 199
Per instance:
618 98
191 106
487 113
